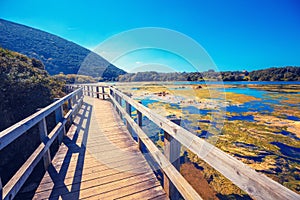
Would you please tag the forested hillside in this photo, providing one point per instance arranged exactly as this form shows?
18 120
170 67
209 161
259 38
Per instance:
57 54
24 87
271 74
276 74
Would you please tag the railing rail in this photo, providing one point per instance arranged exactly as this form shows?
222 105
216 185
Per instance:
256 184
91 90
7 136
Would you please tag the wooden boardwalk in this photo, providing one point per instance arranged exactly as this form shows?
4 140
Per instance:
99 160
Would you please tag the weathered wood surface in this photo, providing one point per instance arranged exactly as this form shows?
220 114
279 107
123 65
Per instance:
257 185
99 160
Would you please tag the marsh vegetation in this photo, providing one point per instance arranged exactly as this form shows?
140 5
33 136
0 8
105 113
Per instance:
256 123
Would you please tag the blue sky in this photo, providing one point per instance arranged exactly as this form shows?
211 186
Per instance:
237 34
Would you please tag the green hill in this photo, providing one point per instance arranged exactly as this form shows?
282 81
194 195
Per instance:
57 54
24 87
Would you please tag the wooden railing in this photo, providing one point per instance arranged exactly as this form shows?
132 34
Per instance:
257 185
75 100
91 90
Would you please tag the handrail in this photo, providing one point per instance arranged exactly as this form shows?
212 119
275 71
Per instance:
75 100
257 185
11 133
91 89
185 189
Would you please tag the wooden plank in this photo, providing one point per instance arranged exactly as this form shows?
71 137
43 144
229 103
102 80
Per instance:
96 168
257 185
176 178
88 189
114 191
97 178
58 161
149 193
161 197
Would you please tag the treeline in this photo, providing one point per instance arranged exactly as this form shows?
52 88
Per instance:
271 74
276 74
151 76
74 78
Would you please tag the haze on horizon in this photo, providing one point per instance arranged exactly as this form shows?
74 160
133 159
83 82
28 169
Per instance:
236 34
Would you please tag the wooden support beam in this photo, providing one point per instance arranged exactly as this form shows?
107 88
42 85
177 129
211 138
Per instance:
120 103
128 110
70 106
172 153
59 118
103 93
1 190
117 101
44 138
140 123
90 91
97 94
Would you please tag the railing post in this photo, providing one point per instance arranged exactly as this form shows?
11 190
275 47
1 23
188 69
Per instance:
92 91
172 152
103 95
128 110
43 136
85 90
70 103
140 123
111 92
1 190
97 90
117 101
89 89
112 96
70 107
58 118
120 103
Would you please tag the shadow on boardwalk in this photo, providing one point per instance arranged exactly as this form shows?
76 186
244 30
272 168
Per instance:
73 148
99 160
